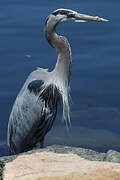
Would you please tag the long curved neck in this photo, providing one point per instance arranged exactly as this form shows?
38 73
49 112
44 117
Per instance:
60 43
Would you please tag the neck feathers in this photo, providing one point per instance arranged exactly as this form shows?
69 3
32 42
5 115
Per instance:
61 44
62 70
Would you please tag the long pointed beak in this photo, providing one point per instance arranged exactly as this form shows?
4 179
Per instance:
82 17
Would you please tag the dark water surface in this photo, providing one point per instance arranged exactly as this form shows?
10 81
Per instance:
95 81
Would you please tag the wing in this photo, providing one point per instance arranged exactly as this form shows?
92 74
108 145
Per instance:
32 116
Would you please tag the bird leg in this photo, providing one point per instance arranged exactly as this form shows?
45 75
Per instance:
42 143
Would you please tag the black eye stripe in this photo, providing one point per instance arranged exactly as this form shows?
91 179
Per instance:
70 15
63 12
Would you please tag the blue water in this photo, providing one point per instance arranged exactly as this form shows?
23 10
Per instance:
95 80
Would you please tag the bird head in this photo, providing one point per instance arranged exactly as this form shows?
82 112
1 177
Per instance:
67 15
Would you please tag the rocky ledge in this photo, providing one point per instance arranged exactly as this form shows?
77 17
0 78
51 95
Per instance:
61 163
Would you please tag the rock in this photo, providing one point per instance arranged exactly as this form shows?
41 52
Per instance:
3 161
85 153
112 156
54 166
1 169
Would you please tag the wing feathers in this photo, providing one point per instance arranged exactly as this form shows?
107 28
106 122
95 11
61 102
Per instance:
50 96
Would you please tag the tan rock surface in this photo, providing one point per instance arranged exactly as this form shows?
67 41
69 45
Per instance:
52 166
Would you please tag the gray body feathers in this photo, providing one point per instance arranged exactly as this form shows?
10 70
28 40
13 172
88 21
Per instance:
33 113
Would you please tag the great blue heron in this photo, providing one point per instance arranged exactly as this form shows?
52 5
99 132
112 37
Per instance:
35 107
